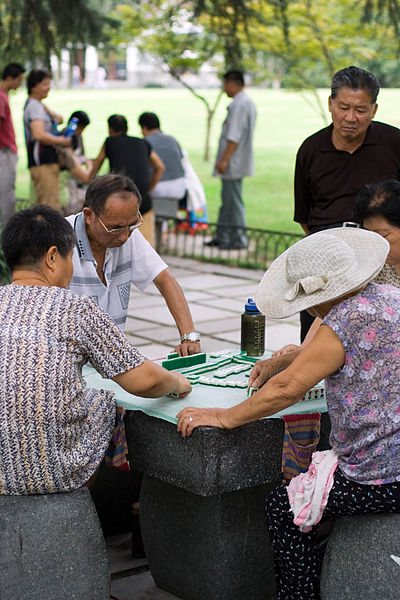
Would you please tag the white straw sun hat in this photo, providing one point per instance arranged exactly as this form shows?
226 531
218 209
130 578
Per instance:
321 267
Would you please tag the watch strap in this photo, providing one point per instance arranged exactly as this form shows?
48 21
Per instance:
192 336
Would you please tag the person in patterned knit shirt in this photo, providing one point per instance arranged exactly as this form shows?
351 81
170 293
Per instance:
54 432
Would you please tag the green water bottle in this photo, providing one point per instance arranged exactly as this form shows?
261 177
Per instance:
253 330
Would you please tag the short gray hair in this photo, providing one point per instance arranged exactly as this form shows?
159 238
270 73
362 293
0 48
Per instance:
355 79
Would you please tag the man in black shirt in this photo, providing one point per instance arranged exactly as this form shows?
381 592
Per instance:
334 164
132 156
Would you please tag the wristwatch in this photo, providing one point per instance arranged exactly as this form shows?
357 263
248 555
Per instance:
192 336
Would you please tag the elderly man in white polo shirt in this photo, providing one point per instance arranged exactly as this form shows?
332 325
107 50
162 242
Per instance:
111 253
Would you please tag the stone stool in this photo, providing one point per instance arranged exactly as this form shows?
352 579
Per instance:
357 563
52 548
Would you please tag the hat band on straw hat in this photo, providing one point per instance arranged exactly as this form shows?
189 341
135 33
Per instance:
308 285
320 268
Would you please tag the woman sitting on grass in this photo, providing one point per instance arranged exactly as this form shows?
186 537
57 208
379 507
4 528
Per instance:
54 432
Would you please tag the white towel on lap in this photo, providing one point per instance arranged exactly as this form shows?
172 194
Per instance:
308 492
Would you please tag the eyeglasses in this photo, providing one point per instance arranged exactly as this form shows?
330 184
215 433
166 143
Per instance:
129 228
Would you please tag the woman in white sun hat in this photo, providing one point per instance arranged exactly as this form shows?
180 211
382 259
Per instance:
357 351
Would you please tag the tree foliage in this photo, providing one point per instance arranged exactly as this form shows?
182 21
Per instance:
231 22
166 34
309 40
32 30
385 11
301 43
183 35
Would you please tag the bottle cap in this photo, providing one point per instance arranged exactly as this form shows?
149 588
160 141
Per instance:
251 306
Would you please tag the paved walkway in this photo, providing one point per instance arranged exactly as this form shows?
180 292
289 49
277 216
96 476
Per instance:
216 295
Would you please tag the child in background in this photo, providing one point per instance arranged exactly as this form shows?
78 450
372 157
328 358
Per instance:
78 176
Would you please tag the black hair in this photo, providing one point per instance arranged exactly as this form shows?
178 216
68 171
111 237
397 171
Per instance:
149 120
31 232
234 75
355 79
13 70
104 186
379 200
35 77
82 116
118 123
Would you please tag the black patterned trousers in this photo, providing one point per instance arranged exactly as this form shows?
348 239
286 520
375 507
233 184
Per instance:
297 558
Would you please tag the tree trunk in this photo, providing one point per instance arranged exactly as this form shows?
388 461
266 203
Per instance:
210 111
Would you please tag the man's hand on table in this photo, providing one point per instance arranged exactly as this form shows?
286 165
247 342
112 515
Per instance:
187 348
189 418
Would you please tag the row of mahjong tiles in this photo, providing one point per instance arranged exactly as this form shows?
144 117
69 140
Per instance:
219 371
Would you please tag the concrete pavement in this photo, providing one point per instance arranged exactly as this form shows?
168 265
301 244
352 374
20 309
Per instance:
216 295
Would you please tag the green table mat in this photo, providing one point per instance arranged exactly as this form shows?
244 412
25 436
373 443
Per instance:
201 396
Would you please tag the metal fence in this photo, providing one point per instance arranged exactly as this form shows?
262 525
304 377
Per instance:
175 237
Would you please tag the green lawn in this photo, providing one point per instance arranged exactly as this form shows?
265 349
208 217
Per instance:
284 120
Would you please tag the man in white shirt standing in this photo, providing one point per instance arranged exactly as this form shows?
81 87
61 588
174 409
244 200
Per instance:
111 254
234 161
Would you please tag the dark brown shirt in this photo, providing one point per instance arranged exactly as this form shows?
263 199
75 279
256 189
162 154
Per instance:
327 180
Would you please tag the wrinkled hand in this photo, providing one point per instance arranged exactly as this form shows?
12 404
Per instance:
262 371
183 386
187 348
286 349
189 418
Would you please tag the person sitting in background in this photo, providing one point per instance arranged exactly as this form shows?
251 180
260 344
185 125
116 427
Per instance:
54 432
179 180
79 177
357 351
132 156
111 253
172 183
42 140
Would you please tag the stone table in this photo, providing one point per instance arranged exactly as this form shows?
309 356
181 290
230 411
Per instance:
202 498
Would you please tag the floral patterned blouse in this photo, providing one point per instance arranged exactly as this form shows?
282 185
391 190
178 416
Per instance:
363 398
53 432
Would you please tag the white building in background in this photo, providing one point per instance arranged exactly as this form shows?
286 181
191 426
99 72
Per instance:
60 69
140 71
91 66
